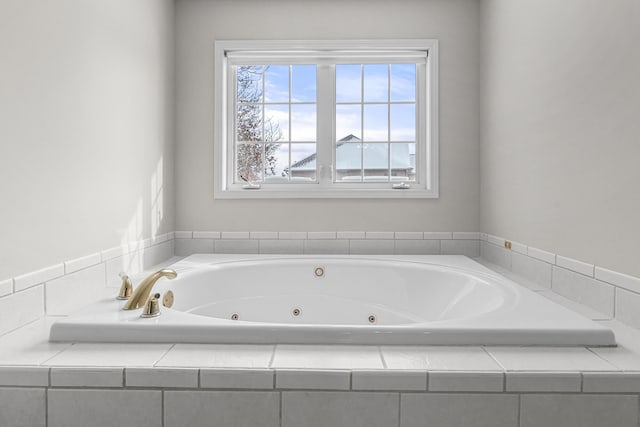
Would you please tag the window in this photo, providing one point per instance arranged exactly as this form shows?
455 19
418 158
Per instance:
326 119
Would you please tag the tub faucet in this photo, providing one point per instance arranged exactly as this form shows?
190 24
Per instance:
141 293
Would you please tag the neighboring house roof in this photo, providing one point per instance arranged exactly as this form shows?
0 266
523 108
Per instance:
348 156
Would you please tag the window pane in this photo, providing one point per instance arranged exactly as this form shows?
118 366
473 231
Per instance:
249 123
303 81
276 122
276 162
348 118
403 162
376 83
303 162
249 162
403 122
376 119
303 122
276 83
348 83
349 162
376 162
249 82
403 82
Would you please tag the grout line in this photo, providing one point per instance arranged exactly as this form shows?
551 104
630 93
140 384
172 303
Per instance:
280 407
519 409
399 409
272 358
46 404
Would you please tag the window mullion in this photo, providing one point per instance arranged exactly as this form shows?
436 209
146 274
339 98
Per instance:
325 124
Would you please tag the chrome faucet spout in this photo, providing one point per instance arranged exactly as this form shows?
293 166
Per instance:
141 293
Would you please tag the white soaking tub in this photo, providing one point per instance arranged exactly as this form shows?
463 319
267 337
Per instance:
430 299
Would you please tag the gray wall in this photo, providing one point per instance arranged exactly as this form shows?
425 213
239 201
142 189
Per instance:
453 22
86 134
560 155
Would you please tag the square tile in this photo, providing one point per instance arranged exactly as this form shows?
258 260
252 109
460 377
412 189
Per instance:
470 248
348 409
29 345
438 358
458 410
532 269
548 359
20 308
33 278
578 410
161 377
326 247
628 307
103 354
218 356
417 247
185 247
22 407
313 379
389 380
326 357
122 408
74 291
236 246
497 255
558 382
586 311
590 292
466 381
237 378
371 247
281 246
221 408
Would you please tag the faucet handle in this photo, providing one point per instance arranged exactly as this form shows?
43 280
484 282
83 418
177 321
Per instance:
126 288
151 308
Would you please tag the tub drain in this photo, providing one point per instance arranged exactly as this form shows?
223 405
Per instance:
372 318
234 316
295 312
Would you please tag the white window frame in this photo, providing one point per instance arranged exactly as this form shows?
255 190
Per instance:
426 185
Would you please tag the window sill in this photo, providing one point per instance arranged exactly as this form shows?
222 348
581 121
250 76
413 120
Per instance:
266 193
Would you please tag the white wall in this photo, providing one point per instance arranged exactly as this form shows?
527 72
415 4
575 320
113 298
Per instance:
86 134
560 114
453 22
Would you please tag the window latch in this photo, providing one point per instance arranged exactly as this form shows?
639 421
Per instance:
249 185
401 186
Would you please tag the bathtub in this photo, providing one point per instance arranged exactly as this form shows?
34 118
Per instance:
435 300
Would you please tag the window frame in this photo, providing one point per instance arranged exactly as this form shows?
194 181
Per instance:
427 128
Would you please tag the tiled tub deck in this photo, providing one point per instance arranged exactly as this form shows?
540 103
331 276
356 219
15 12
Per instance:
64 384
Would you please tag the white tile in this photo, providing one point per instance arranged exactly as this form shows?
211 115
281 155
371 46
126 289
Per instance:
29 345
409 235
258 235
611 382
301 235
532 269
352 409
522 281
83 262
497 255
437 235
157 254
575 265
548 359
6 287
388 380
20 308
326 247
123 408
86 377
380 235
458 410
221 409
575 306
218 356
321 235
465 235
206 234
417 247
326 357
621 357
371 247
235 235
131 264
236 246
103 354
495 240
578 410
590 292
35 278
237 378
351 235
628 308
22 407
466 381
313 379
541 255
186 247
73 291
519 248
281 246
183 234
470 248
438 358
24 376
558 382
622 280
161 377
